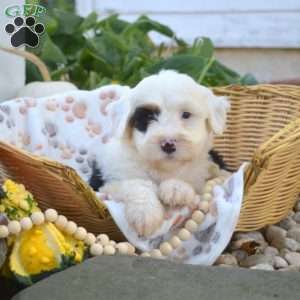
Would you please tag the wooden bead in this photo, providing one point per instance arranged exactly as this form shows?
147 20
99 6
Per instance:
131 249
166 248
70 228
191 225
37 218
26 223
145 254
109 250
51 215
122 248
14 227
80 233
207 197
184 234
103 238
155 253
218 180
204 206
90 239
208 188
175 242
198 216
3 231
61 222
96 249
197 199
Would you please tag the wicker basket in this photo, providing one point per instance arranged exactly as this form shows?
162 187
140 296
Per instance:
262 128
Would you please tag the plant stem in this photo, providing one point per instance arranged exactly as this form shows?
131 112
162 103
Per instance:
205 69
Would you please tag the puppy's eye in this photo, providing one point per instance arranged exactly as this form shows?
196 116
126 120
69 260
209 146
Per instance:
143 116
186 115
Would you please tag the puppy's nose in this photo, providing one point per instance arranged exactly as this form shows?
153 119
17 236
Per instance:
168 146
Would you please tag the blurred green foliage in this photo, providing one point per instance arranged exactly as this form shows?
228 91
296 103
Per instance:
91 52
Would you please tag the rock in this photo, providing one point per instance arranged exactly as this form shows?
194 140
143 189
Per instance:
265 267
124 277
291 244
290 269
252 235
287 223
293 258
283 252
225 266
294 233
279 262
3 252
3 219
256 259
297 217
226 259
297 206
248 241
271 251
291 213
239 255
275 235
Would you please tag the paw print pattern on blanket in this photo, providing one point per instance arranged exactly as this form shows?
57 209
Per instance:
64 127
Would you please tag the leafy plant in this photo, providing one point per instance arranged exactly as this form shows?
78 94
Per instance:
91 52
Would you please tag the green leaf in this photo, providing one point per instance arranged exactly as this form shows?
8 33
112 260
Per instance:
203 47
91 61
122 51
248 79
68 23
51 24
32 73
112 23
89 22
51 53
146 25
188 64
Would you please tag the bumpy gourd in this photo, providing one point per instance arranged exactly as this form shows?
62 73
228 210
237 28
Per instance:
41 250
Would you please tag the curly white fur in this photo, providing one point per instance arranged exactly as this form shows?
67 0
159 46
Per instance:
134 165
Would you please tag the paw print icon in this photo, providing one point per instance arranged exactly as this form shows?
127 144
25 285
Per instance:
25 31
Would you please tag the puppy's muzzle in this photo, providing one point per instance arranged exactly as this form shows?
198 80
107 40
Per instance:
168 146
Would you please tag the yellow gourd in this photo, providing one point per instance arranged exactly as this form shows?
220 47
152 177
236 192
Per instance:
41 250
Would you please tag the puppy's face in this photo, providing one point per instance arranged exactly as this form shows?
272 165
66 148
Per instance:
170 119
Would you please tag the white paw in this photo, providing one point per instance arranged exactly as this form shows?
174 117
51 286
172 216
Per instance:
174 192
145 218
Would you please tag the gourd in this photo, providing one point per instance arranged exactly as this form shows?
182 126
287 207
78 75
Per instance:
43 250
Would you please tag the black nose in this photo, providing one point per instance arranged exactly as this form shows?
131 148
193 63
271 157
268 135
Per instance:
168 147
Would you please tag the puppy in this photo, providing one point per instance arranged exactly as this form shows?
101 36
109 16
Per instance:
159 155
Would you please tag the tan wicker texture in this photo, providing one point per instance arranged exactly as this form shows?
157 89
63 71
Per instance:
272 179
59 187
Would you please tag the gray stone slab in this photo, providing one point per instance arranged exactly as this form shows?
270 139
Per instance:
143 278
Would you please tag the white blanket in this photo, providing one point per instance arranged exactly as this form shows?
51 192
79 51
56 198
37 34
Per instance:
69 127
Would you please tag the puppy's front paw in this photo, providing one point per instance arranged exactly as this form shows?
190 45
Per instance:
145 218
174 192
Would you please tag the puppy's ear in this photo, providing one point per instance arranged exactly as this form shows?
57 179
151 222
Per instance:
217 112
119 112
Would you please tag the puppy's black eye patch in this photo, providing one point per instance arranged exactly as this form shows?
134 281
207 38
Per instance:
143 116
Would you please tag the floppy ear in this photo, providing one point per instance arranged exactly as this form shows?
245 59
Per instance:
119 113
217 111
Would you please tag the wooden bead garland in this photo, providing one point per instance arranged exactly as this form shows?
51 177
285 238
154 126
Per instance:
102 245
26 223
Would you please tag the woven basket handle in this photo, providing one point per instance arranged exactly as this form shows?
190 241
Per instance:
32 58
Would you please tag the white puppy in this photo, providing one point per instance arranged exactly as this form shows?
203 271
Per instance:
160 151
